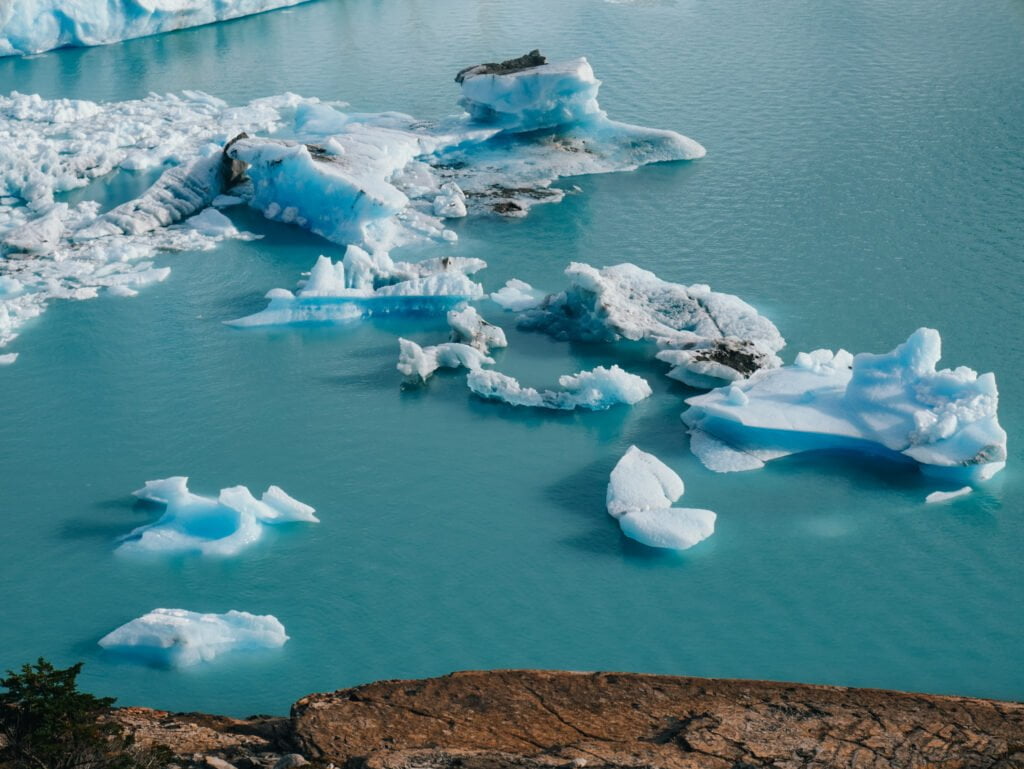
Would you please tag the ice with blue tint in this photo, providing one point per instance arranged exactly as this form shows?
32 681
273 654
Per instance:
33 26
895 404
176 638
469 327
518 295
708 337
363 285
596 390
640 494
224 526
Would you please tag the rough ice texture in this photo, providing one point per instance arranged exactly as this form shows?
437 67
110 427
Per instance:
598 389
896 405
34 26
468 327
518 295
221 527
178 638
640 494
709 337
419 363
61 251
362 285
945 496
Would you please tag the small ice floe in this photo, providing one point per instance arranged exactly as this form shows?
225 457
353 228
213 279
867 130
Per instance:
640 494
896 405
179 638
8 358
468 327
517 295
221 527
419 363
945 496
709 338
598 389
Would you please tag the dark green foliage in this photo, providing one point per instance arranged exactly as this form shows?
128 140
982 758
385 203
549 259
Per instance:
49 724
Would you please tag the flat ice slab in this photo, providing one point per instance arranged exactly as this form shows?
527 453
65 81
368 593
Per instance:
945 496
178 638
896 405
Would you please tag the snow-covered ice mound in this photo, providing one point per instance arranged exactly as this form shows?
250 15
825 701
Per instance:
709 337
178 638
223 526
419 363
598 389
518 295
362 285
33 26
468 327
640 494
895 404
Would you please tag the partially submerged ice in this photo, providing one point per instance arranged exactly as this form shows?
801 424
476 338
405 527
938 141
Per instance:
468 327
179 638
596 390
362 285
223 526
896 405
419 363
640 494
34 26
710 338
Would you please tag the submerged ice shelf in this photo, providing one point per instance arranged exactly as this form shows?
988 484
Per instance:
640 494
179 638
223 526
895 404
34 26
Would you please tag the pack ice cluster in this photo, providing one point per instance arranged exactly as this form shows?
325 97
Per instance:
375 181
640 494
221 526
895 404
34 26
175 638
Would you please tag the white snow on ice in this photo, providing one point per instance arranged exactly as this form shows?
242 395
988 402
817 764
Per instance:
598 389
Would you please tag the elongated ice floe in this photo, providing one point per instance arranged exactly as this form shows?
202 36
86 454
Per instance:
363 285
419 363
945 496
598 389
34 26
896 405
179 638
222 527
709 338
640 494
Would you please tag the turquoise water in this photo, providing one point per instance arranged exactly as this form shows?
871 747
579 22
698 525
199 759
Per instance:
865 176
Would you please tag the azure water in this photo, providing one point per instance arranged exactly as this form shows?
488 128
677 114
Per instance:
864 177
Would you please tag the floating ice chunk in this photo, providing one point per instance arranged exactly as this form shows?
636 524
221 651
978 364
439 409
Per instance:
363 285
640 494
517 295
676 528
8 358
896 405
419 363
945 496
33 26
469 328
711 337
178 638
196 524
596 390
212 222
451 202
641 481
226 201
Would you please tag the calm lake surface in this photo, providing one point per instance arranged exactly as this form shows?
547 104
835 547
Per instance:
864 177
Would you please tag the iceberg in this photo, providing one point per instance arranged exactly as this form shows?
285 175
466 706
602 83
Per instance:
419 363
896 405
598 389
709 338
364 285
34 26
468 327
220 527
640 494
179 638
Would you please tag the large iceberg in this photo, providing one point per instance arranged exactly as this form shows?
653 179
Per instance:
34 26
178 638
596 390
709 337
640 494
896 405
222 527
363 285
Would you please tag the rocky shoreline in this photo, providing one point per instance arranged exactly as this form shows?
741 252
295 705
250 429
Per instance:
528 718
